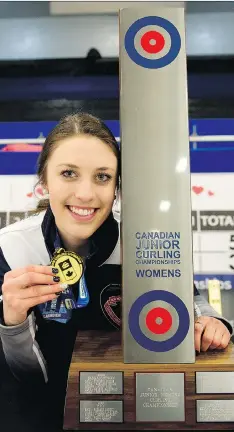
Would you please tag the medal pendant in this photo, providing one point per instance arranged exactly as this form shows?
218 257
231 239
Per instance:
70 266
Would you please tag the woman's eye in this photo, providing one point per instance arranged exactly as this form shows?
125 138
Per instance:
103 177
68 173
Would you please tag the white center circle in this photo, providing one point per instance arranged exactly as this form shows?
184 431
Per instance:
158 320
152 42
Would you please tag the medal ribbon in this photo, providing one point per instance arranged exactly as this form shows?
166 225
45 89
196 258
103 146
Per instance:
60 309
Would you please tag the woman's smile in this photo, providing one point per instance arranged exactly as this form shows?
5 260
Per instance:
82 214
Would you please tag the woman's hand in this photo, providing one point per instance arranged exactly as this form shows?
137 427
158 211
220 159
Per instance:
210 333
25 288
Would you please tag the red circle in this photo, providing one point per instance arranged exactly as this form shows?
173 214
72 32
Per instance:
165 316
157 37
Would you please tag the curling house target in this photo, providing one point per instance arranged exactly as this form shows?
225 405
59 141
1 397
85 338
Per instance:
158 321
152 42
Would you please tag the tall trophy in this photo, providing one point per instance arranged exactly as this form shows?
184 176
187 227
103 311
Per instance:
148 377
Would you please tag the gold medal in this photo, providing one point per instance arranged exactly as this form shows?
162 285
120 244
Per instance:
70 266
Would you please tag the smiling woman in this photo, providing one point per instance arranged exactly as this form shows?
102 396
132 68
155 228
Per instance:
59 275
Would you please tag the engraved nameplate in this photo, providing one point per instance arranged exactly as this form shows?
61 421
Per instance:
215 382
215 411
160 397
101 382
101 411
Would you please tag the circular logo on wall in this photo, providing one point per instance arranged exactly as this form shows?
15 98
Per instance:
159 321
152 42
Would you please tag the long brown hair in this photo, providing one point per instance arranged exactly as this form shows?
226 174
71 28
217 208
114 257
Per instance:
73 125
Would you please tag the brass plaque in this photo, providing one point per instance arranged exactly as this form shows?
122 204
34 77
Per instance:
101 382
214 382
101 411
211 411
160 397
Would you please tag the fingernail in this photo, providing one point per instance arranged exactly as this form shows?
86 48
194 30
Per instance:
63 286
56 279
57 294
54 270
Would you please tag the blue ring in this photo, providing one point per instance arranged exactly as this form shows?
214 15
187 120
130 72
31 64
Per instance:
144 341
155 63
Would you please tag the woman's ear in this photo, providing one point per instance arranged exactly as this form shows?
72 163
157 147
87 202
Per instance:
116 193
117 205
117 196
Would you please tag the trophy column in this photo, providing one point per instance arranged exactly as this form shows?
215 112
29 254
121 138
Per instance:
158 321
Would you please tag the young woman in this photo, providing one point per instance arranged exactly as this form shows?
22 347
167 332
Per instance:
79 167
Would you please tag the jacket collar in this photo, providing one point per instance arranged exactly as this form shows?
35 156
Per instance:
103 240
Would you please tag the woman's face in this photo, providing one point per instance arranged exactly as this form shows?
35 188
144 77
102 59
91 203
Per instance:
81 179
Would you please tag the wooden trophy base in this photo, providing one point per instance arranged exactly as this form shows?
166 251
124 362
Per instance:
146 396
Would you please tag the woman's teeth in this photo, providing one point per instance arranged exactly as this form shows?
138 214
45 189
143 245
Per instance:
82 212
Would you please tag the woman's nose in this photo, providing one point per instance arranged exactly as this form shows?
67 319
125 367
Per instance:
84 191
